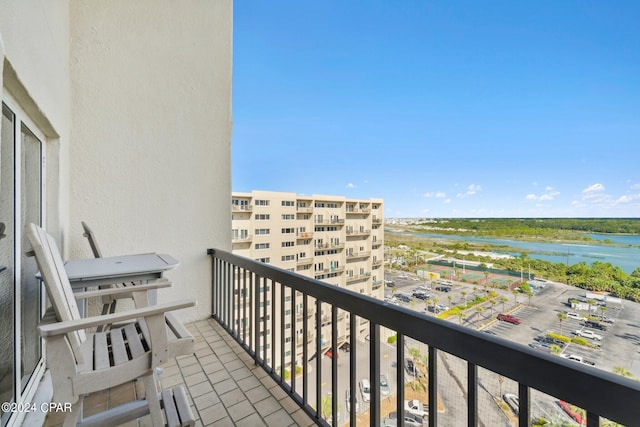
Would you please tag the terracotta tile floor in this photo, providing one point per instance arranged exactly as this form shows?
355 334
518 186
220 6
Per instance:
223 385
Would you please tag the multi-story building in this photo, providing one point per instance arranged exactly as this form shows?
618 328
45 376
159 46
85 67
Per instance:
329 238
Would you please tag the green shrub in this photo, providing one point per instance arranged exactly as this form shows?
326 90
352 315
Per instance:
580 341
392 339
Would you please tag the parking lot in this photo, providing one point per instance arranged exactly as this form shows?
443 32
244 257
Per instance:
618 346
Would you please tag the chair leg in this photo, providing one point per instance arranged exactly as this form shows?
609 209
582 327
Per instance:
151 394
72 417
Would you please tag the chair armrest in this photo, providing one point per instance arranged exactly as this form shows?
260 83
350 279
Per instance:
127 290
65 327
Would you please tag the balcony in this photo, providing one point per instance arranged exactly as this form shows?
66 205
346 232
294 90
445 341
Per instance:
471 366
351 233
242 239
356 255
241 208
329 221
305 235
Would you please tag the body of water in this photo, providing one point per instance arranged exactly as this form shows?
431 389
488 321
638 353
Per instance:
626 257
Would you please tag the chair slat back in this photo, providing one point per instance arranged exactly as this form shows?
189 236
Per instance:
88 233
56 281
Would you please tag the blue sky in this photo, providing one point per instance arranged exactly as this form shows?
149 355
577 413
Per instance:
443 109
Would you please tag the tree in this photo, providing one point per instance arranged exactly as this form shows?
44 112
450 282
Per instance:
503 300
529 293
590 302
460 315
464 297
486 278
450 298
479 310
515 296
561 318
555 349
493 303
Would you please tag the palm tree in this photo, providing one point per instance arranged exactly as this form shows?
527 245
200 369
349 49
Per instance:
427 301
486 278
515 296
435 301
590 302
450 298
493 303
464 297
529 294
503 300
602 310
561 318
479 310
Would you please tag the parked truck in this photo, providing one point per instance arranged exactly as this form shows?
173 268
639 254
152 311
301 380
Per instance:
415 407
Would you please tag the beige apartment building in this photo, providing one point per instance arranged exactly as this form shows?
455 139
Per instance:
329 238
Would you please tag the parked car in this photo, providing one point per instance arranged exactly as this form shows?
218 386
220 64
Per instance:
549 340
389 282
604 318
575 316
421 295
442 307
346 347
443 288
594 325
402 297
365 389
509 319
384 385
587 334
409 419
403 276
412 369
540 346
348 399
329 353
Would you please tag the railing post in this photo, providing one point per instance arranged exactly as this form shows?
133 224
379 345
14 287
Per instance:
305 350
523 404
400 374
352 367
433 386
318 359
374 373
334 364
472 395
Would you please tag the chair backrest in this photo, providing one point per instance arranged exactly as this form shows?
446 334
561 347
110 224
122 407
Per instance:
92 240
56 281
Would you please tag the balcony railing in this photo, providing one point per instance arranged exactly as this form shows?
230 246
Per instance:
241 208
599 393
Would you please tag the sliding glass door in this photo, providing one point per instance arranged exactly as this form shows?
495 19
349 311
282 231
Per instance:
21 163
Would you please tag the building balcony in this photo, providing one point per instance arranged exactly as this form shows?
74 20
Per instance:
329 222
228 382
351 233
305 235
242 239
241 208
306 209
304 261
376 220
465 387
376 243
356 255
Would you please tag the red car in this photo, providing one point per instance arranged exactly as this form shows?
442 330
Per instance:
509 318
329 353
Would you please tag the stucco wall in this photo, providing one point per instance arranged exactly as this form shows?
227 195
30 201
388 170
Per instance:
35 54
151 132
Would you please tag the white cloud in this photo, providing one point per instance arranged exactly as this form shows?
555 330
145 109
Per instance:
531 197
545 197
472 189
628 198
350 185
436 194
593 190
550 194
635 186
447 201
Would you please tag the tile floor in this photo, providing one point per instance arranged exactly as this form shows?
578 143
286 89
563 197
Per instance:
223 385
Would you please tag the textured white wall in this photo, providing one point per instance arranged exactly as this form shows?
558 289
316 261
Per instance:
150 143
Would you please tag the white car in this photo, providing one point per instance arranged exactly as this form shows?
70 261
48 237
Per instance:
588 334
575 316
403 276
365 389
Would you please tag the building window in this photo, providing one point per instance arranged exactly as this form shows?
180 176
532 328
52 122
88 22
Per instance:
288 257
288 244
262 231
262 203
288 217
288 230
288 203
262 246
263 217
